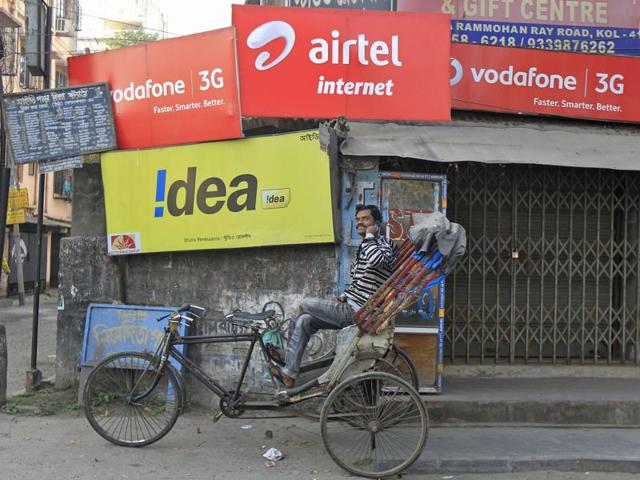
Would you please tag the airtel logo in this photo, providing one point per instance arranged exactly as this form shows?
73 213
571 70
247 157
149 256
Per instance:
337 50
267 33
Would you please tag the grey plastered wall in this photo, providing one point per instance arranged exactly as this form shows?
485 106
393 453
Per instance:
220 280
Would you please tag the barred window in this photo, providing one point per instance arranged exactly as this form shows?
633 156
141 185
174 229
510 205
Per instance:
63 184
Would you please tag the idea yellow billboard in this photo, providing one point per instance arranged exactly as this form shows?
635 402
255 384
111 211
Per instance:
241 193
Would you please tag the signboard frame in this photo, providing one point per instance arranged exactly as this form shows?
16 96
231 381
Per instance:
427 315
175 199
18 197
14 130
386 76
125 331
86 360
175 91
539 82
594 26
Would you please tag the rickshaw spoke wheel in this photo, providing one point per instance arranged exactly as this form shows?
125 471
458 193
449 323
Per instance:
403 363
109 403
370 362
374 424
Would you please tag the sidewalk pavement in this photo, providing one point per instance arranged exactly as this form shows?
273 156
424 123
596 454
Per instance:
18 322
489 425
65 446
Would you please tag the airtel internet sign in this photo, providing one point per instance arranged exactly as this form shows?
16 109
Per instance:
326 63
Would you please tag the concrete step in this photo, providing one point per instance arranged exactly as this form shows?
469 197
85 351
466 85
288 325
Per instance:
452 451
556 401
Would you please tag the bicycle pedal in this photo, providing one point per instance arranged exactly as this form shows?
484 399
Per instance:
282 397
217 417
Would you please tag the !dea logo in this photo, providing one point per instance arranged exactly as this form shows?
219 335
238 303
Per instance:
210 196
278 198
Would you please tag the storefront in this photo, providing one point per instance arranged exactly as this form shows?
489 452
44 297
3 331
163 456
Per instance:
551 274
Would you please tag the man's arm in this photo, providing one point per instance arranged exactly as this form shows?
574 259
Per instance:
378 252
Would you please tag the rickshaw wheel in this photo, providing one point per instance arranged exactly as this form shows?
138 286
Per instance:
381 433
403 363
108 403
370 362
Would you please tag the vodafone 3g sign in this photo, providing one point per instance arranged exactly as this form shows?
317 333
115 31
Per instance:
181 90
323 63
550 83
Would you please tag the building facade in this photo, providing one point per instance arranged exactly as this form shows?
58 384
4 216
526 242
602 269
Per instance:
58 185
551 276
101 21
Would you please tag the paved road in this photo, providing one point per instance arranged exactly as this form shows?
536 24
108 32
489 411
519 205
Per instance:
65 446
18 322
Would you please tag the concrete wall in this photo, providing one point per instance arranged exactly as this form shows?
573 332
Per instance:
220 280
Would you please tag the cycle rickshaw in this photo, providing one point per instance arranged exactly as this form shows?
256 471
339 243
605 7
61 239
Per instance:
373 421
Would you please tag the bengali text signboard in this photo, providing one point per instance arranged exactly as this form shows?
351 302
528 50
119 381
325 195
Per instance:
18 198
59 165
17 205
548 83
110 329
61 123
585 26
232 194
175 91
18 215
324 63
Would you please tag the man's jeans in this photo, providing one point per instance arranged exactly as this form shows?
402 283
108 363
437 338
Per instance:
315 314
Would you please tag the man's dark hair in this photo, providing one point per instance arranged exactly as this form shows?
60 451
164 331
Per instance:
375 211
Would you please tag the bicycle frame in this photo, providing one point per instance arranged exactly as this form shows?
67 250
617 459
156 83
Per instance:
167 345
209 382
167 349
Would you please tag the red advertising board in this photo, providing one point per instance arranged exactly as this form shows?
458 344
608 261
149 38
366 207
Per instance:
549 83
595 13
181 90
604 27
322 63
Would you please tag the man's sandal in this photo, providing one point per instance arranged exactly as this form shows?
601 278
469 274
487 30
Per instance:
276 354
282 377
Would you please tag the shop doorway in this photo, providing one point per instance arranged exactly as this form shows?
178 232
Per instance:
551 274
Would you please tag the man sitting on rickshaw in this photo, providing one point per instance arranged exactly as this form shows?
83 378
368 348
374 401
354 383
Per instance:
370 269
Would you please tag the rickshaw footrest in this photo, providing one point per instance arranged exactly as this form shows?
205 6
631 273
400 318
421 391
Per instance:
305 386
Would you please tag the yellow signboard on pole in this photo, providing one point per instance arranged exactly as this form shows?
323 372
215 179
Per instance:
18 198
241 193
17 215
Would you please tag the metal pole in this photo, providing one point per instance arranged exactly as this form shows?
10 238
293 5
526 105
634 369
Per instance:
3 365
34 375
36 289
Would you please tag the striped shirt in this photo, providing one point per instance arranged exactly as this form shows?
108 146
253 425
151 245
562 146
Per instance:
370 269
